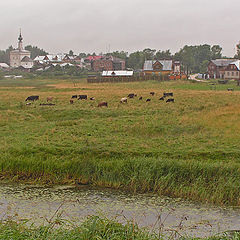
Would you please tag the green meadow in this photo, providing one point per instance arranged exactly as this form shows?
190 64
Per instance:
189 148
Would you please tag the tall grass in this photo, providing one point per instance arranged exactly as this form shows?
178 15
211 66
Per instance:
94 228
186 149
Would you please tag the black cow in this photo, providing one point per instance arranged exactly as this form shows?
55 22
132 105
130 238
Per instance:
170 100
132 95
92 98
74 96
148 100
81 97
152 93
140 98
161 98
168 94
32 98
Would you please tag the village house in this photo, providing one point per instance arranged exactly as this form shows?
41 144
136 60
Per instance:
217 68
20 57
108 63
158 67
232 71
4 66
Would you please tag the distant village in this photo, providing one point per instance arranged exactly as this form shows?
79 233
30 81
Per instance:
111 66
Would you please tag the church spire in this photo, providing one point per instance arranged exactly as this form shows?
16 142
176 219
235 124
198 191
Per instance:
20 38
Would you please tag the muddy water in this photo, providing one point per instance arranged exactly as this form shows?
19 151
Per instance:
42 204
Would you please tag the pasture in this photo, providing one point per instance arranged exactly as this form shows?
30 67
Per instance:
189 148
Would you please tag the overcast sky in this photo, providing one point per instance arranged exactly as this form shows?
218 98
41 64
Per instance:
129 25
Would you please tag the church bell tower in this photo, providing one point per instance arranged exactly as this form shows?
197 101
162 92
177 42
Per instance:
20 43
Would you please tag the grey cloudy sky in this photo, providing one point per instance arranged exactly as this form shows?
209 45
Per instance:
130 25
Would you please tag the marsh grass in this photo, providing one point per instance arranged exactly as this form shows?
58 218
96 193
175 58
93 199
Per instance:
187 149
94 228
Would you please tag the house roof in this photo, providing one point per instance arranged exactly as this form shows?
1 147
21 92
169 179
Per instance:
167 65
223 62
18 51
3 65
92 58
116 73
237 63
26 59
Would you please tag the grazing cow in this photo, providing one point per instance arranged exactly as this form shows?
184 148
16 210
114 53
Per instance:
230 89
49 99
131 95
170 100
32 98
74 96
152 93
161 98
168 94
123 100
92 98
103 104
140 98
81 97
71 101
148 100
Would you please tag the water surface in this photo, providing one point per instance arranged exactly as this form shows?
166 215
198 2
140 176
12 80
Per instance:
42 204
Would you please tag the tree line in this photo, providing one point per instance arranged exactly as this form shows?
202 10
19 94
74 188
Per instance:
193 58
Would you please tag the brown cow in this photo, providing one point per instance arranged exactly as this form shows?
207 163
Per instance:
71 101
49 99
103 104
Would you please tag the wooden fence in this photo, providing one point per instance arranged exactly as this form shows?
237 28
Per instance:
115 79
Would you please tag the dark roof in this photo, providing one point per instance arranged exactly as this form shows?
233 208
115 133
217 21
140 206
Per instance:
26 59
223 62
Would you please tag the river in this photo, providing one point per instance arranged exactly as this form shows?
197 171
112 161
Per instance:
41 204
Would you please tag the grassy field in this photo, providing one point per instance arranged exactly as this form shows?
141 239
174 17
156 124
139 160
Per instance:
187 149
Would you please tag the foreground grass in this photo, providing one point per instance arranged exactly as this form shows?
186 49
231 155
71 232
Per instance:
94 228
187 149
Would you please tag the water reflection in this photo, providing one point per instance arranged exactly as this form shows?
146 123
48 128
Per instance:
40 204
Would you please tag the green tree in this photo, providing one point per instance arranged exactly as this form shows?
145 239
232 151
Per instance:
35 51
136 60
122 54
163 55
149 53
216 52
237 55
70 53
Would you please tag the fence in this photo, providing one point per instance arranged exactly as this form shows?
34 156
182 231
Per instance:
115 79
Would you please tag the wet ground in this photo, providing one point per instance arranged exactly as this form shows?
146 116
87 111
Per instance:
41 204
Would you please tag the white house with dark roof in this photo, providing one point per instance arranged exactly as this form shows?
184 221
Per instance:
20 57
161 66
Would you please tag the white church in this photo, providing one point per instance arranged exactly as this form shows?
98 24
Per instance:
20 57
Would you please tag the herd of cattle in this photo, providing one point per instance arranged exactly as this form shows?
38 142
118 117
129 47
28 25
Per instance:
166 96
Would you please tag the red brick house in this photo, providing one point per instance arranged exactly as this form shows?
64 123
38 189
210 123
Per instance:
217 68
108 63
